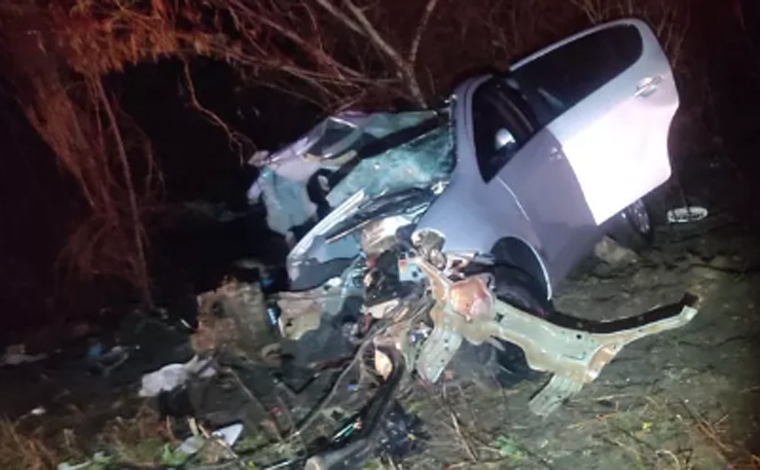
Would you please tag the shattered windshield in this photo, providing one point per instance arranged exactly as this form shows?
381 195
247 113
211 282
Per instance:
388 153
419 163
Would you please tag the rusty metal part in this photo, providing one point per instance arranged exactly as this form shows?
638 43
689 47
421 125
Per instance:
471 297
301 312
438 349
575 356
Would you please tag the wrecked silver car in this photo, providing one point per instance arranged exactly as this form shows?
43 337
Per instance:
413 233
526 168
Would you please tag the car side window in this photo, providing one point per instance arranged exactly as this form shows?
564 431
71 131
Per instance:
501 122
558 80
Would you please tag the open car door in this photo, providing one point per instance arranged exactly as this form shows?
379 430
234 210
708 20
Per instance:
608 96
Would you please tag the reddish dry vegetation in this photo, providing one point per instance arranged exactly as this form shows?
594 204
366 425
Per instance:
335 53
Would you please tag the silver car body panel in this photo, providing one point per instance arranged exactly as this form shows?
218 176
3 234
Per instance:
586 165
420 163
616 139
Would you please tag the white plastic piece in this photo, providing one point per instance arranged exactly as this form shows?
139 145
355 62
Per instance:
191 445
173 376
16 355
228 434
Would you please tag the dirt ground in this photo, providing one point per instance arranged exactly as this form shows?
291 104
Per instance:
684 399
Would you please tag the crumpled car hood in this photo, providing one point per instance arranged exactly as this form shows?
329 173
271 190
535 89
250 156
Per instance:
284 185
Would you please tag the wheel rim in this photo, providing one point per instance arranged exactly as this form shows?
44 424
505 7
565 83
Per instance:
638 216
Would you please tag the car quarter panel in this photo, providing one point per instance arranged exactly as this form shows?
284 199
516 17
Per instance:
543 183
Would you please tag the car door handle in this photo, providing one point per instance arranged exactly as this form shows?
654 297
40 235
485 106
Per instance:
647 86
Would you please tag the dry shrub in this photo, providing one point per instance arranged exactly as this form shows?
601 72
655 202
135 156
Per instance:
137 440
20 451
79 121
328 52
334 53
338 53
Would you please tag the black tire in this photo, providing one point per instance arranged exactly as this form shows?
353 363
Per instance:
504 366
491 367
519 289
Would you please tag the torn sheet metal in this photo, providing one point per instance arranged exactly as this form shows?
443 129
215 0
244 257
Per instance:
287 201
314 246
328 146
401 182
301 312
574 356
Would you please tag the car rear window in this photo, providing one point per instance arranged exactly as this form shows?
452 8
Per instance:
558 80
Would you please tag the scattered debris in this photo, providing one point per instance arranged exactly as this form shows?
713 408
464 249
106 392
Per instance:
99 461
173 376
102 363
401 434
16 355
194 444
232 319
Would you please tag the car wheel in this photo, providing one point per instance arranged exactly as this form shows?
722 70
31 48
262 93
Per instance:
519 289
489 366
503 366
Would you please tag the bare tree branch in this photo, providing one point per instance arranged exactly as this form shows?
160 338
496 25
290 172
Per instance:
421 30
327 5
137 226
405 68
237 142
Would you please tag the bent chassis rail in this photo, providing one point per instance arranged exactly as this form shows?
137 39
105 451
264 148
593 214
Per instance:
468 310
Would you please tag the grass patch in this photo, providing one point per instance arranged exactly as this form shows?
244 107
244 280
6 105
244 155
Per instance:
24 451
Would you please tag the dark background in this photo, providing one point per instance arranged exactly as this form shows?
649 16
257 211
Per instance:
717 163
